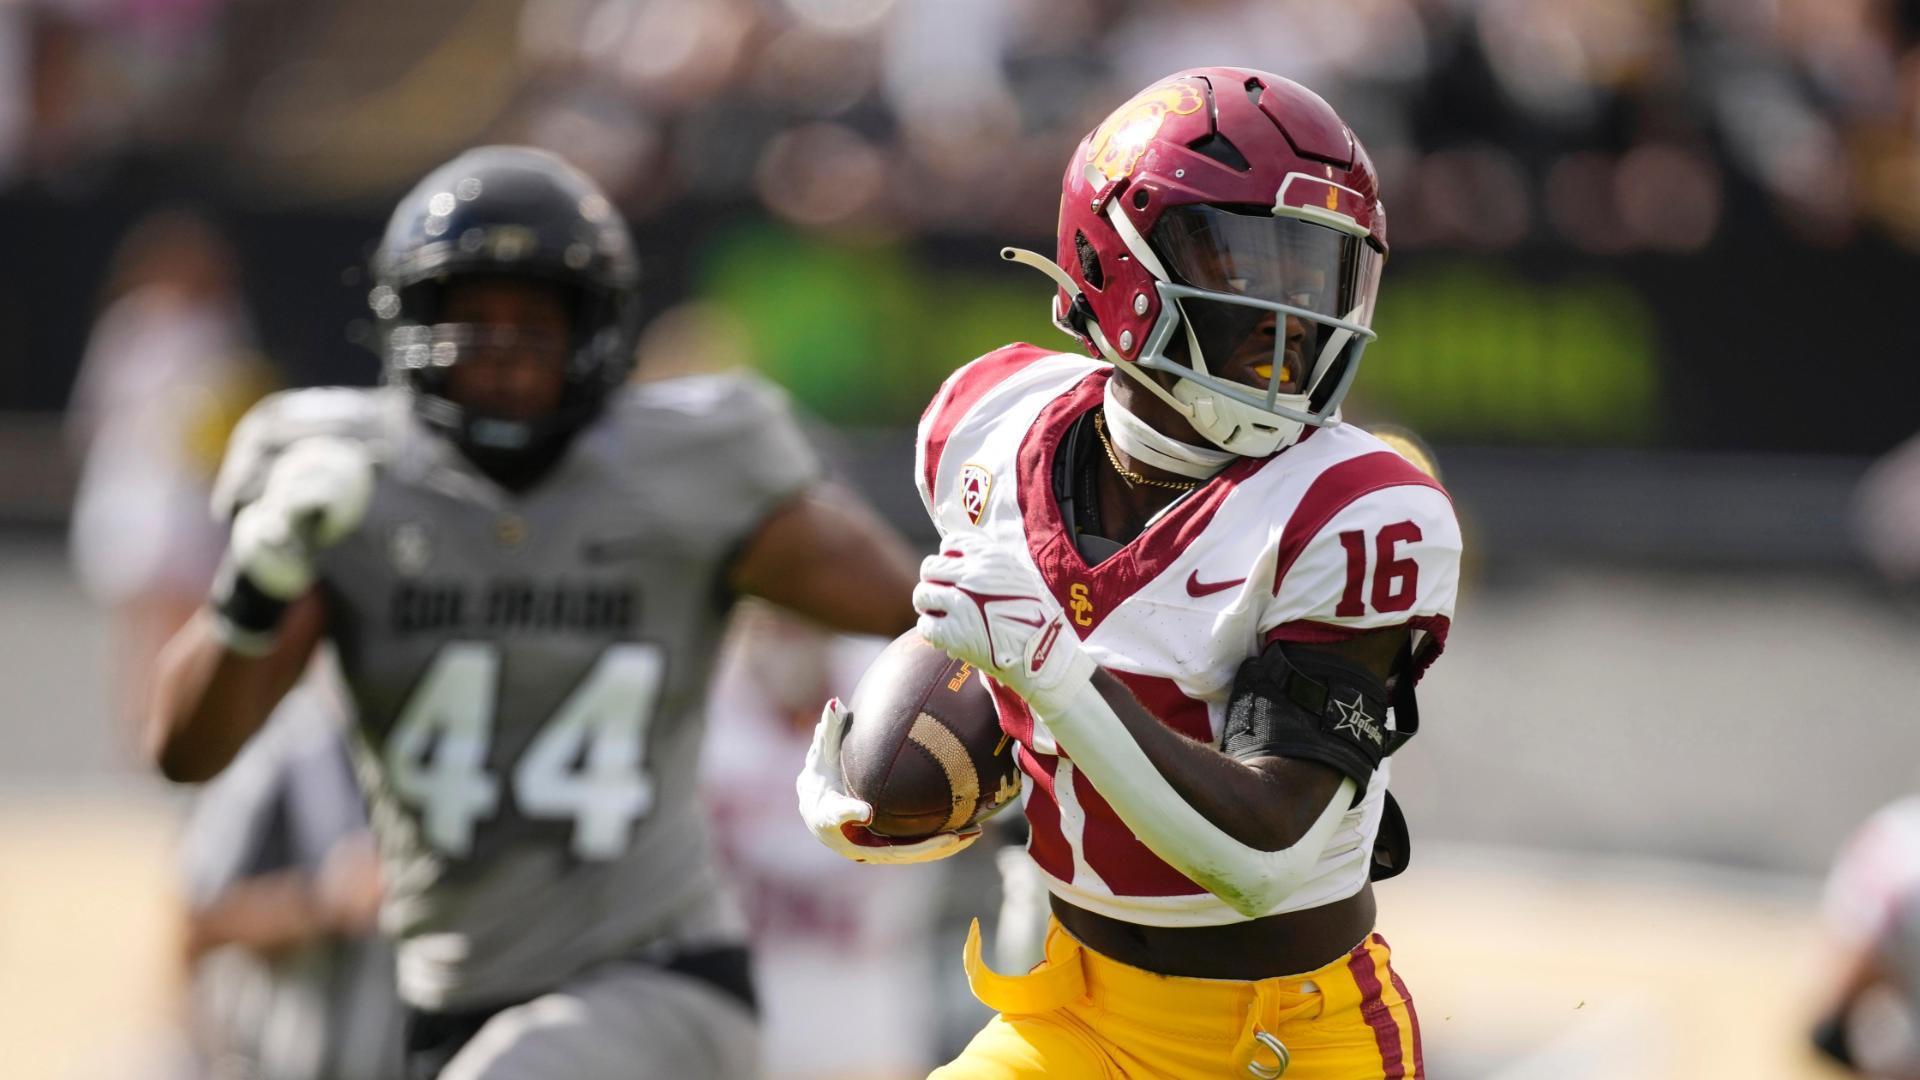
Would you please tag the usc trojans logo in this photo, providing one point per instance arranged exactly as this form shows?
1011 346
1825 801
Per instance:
975 483
1082 604
1119 141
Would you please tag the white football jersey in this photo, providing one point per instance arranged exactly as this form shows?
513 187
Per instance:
1330 538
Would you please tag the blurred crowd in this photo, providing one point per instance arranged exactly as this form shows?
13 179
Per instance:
1597 125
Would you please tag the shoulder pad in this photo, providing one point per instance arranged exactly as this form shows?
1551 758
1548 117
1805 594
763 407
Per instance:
698 407
1339 486
1373 543
960 393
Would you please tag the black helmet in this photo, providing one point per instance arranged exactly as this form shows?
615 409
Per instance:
518 212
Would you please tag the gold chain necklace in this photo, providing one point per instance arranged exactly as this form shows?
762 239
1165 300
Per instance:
1131 477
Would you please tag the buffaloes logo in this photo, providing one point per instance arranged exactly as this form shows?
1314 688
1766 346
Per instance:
975 483
1116 145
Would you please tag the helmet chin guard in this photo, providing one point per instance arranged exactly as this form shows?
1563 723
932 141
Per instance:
1241 418
1220 413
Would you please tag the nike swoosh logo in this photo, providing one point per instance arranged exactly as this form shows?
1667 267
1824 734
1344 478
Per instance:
1195 587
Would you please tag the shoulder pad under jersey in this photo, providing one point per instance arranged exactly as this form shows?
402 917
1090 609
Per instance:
279 420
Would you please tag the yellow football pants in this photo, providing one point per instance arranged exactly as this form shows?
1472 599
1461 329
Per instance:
1083 1016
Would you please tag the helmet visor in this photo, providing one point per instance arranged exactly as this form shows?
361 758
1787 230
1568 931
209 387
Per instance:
1266 295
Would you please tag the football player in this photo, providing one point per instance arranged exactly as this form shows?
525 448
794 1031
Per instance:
523 561
1203 603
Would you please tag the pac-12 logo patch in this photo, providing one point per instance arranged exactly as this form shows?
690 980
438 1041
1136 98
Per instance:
975 483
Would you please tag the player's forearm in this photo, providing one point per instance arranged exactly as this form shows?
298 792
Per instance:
1248 878
845 598
827 556
1267 805
208 700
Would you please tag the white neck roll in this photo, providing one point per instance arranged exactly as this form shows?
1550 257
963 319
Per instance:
1147 446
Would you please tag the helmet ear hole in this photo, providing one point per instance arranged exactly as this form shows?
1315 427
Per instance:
1089 261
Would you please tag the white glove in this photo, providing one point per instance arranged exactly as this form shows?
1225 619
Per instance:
315 493
840 820
981 604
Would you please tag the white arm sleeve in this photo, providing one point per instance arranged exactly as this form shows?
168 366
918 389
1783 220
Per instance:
1249 880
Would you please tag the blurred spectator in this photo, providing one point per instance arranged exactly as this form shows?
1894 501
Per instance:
1887 515
830 942
1815 103
283 882
1872 1021
290 978
168 371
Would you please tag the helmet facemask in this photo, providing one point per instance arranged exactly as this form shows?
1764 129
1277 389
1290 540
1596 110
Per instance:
1227 282
434 352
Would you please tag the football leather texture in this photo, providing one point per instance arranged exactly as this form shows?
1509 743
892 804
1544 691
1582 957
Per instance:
924 746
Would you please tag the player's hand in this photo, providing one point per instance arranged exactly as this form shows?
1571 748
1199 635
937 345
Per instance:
347 889
316 493
982 604
840 820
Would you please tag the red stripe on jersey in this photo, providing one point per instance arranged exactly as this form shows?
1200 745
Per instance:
1118 856
1112 850
1413 1021
963 390
1121 574
1309 632
1336 489
1386 1030
1046 841
1016 720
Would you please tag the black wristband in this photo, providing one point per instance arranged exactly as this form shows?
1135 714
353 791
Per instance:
248 615
1293 702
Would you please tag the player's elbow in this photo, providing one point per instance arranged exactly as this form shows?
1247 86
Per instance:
1272 861
174 750
1254 891
179 763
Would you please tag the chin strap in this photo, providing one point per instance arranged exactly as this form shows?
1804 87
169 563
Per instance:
1148 446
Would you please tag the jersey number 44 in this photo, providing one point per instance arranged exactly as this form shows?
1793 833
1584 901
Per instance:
586 764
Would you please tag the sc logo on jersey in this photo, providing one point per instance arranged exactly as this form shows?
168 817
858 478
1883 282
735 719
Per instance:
975 483
1082 604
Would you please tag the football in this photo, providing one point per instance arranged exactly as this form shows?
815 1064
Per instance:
924 746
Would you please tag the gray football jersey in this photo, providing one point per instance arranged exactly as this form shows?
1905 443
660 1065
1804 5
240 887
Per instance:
529 670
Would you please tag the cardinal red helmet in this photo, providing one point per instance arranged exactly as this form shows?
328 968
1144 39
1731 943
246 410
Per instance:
1216 207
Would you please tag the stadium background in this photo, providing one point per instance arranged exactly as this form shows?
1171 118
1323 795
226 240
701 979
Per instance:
1647 297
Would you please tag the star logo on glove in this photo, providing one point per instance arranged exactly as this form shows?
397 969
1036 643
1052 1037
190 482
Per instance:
1356 721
